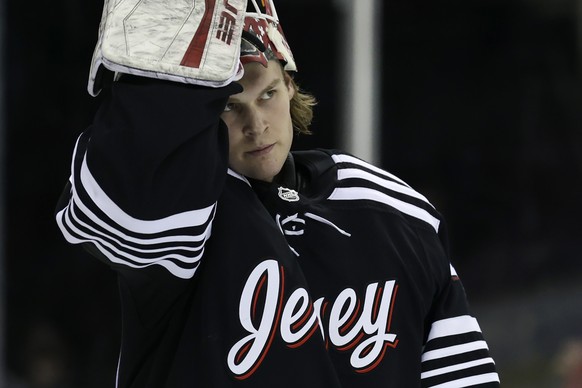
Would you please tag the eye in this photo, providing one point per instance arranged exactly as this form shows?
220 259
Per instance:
268 95
230 106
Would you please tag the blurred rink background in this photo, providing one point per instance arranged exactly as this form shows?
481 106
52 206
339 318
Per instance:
478 106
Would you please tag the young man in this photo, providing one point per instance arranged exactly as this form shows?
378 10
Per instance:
240 263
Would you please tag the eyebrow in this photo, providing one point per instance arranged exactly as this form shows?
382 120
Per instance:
273 83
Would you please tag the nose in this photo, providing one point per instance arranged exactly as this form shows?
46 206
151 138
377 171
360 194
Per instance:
254 122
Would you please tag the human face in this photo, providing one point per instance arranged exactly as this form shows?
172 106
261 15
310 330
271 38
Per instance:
260 131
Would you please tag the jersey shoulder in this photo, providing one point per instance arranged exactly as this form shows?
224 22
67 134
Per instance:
349 179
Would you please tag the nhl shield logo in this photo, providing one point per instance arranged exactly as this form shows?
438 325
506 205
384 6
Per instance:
288 194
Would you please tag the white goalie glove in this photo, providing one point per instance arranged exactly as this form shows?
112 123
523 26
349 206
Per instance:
187 41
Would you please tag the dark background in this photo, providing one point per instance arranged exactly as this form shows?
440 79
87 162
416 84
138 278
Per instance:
481 112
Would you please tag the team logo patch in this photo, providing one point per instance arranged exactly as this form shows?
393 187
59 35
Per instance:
288 194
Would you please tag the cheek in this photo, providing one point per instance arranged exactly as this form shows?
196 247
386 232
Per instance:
231 129
283 111
288 118
227 121
234 142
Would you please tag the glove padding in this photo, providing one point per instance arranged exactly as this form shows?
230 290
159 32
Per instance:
195 42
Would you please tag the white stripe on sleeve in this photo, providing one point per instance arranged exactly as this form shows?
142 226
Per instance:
359 162
363 193
454 350
453 326
388 184
105 204
470 381
457 367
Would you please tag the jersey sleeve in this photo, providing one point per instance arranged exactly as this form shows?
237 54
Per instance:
146 176
455 353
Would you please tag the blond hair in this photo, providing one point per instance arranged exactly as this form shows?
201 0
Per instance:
301 108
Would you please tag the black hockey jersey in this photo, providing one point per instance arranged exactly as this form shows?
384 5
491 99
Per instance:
203 270
374 252
227 283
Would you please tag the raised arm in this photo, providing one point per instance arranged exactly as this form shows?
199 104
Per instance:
146 175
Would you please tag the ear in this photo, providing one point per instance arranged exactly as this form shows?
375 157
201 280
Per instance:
290 84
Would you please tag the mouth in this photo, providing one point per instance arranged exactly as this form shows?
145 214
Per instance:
261 150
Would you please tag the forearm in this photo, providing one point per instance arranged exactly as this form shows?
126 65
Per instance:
147 174
159 143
